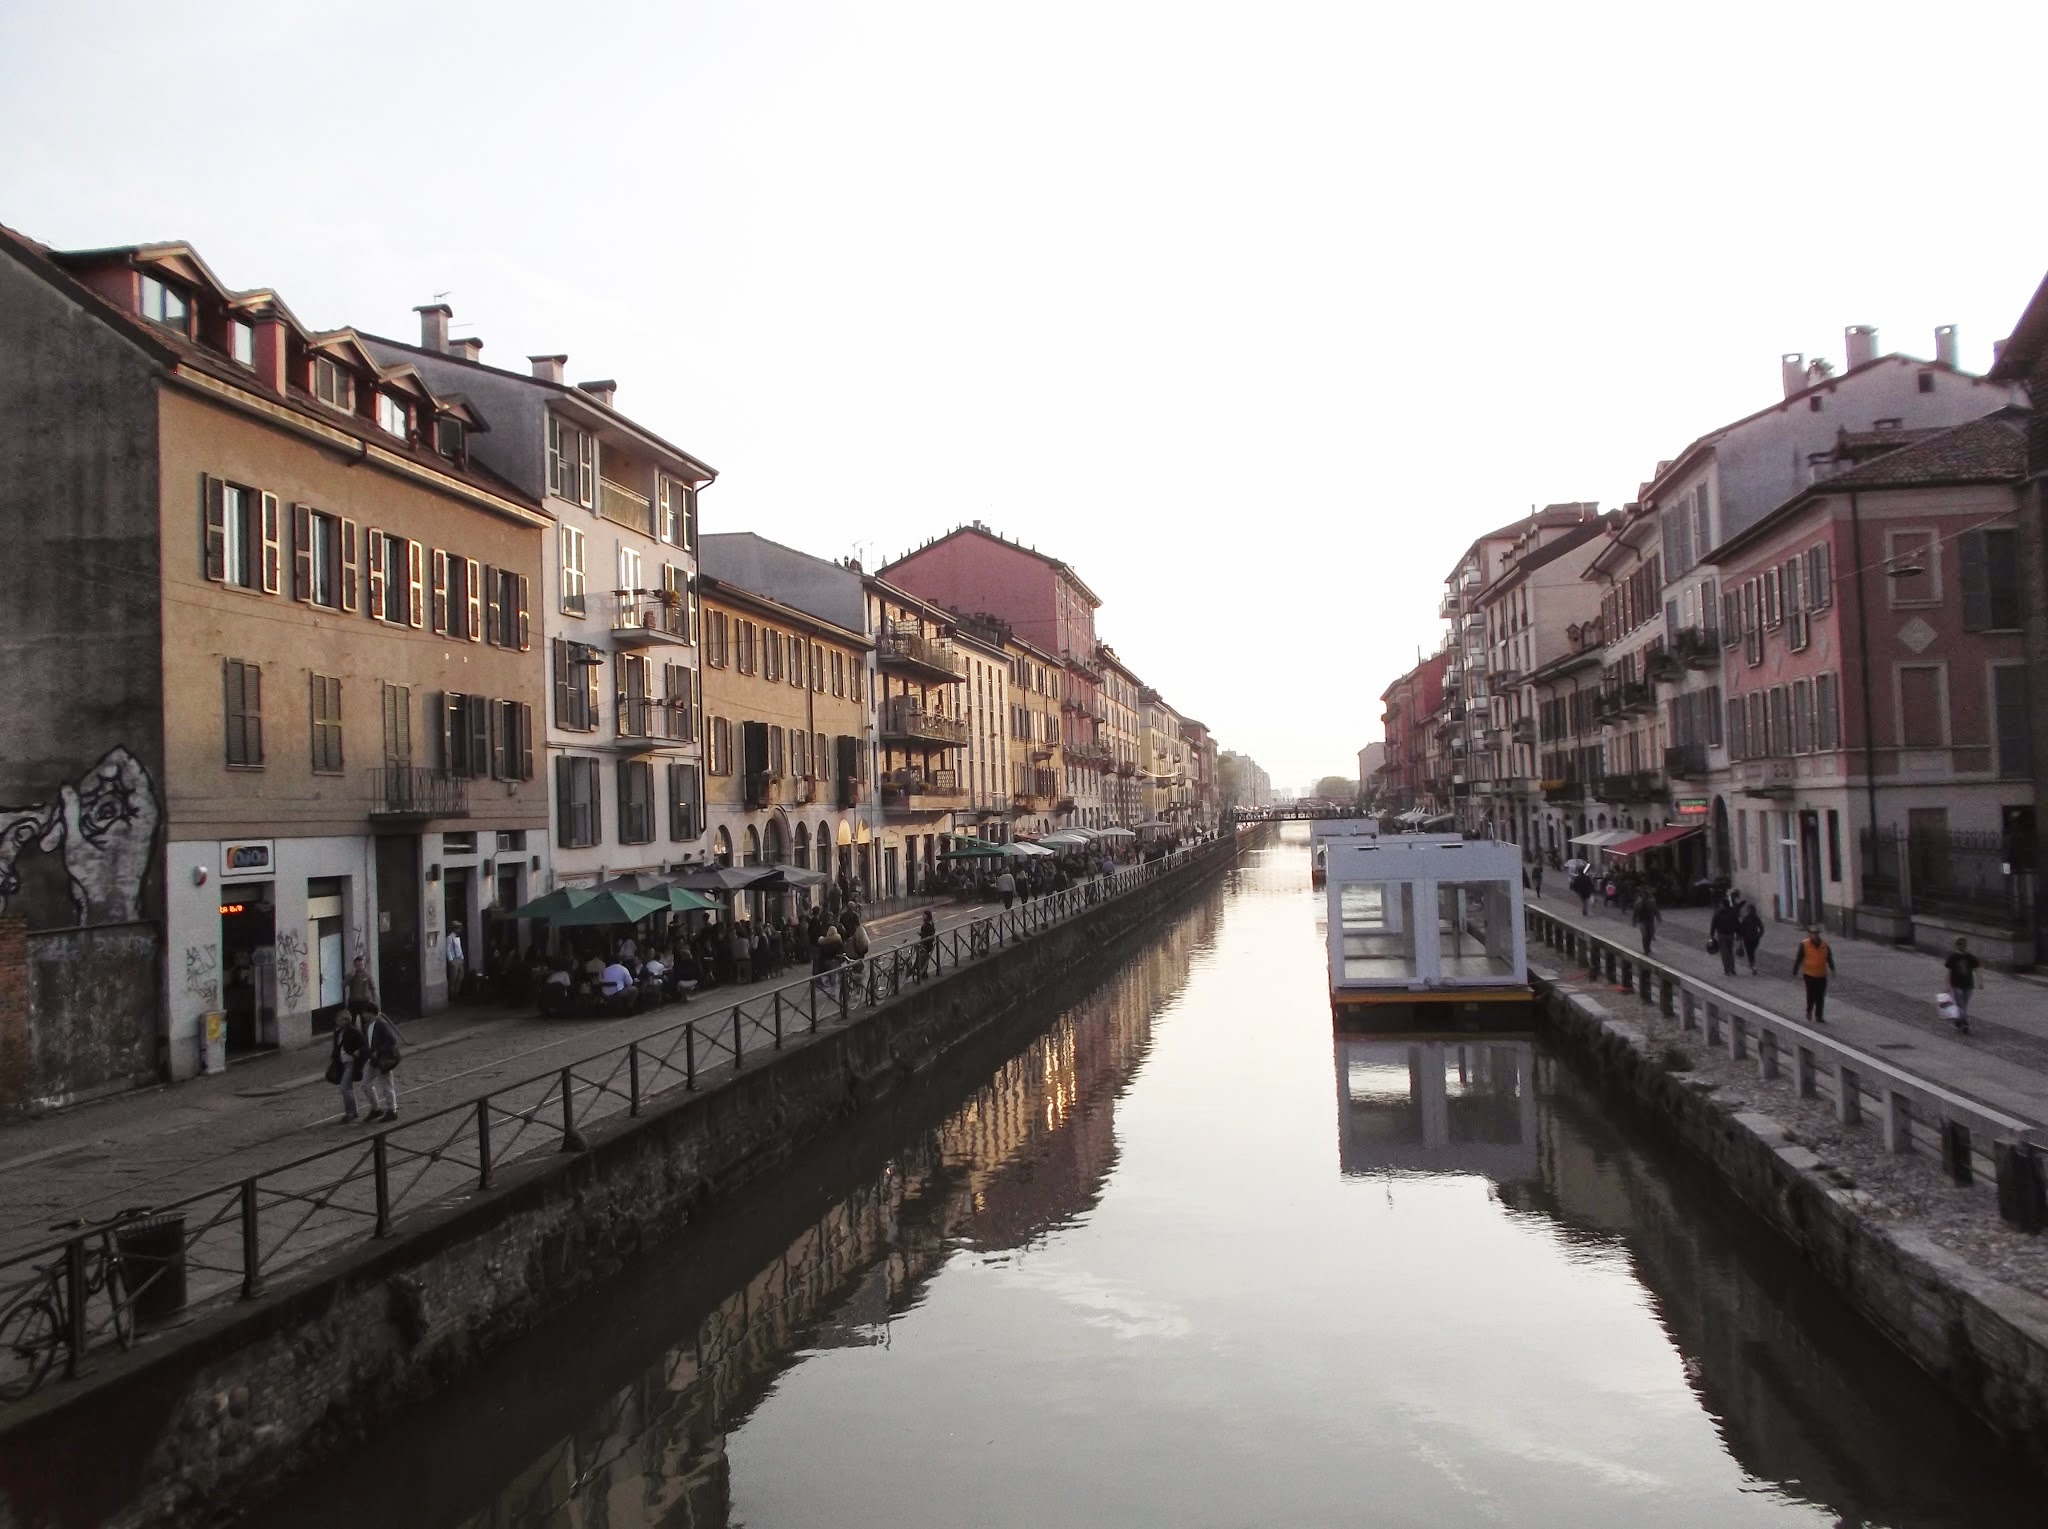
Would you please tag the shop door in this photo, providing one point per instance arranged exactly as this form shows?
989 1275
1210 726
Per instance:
455 905
1809 868
397 922
248 954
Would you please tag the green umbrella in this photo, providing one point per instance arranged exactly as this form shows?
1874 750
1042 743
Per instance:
680 899
683 900
975 849
551 905
610 908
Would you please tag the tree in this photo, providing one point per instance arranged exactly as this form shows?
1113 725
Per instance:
1336 788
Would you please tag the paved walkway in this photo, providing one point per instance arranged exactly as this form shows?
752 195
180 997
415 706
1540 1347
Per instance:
1881 999
157 1145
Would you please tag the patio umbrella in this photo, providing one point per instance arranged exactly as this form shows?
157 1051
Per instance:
646 884
797 876
610 908
551 904
974 849
1116 833
683 900
1022 851
729 878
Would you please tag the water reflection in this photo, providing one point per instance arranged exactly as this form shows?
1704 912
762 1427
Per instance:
1104 1275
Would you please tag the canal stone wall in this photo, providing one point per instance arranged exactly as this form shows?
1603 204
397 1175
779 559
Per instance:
1984 1341
188 1426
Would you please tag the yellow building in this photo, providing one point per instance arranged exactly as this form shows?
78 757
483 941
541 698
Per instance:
785 723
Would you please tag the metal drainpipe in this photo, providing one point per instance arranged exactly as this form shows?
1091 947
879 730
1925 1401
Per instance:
1863 665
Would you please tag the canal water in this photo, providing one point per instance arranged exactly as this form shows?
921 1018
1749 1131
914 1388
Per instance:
1164 1251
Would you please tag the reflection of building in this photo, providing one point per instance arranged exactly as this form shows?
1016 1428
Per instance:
1436 1106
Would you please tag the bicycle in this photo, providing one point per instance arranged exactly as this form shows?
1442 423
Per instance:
39 1324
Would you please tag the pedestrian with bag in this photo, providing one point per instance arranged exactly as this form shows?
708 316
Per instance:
1812 962
1725 934
1582 888
1750 926
380 1066
1647 916
1962 982
359 992
345 1058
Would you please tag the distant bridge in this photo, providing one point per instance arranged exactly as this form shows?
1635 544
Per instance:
1299 812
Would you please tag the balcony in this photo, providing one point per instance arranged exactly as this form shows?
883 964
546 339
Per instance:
1127 767
853 792
622 507
1092 754
919 657
907 791
1629 697
641 619
1663 667
1698 647
803 790
1447 607
1566 790
1686 761
1523 731
1770 779
1063 804
1633 786
411 792
908 722
764 789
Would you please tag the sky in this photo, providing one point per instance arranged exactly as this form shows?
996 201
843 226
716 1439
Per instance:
1256 314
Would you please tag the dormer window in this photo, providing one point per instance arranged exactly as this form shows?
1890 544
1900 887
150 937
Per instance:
391 415
242 343
448 438
163 304
332 384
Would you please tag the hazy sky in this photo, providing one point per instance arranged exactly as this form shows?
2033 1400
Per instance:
1257 314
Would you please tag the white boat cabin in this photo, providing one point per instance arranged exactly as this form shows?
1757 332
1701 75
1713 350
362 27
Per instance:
1424 914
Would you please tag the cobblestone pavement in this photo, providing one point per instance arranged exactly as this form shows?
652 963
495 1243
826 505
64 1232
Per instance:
152 1146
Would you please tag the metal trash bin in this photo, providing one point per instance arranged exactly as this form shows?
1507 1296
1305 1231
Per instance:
152 1254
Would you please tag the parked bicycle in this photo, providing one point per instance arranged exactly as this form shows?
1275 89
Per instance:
40 1324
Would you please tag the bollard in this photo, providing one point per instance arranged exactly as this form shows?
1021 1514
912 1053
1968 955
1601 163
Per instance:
1738 1038
252 1245
1766 1055
1664 994
1955 1152
1713 1024
1688 1019
1848 1095
1898 1121
2022 1201
1802 1071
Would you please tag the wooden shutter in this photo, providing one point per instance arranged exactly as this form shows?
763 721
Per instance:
302 552
252 712
415 569
349 566
565 831
440 590
213 525
525 767
523 629
473 592
1820 577
558 650
593 696
1976 581
377 574
499 741
476 712
451 736
273 552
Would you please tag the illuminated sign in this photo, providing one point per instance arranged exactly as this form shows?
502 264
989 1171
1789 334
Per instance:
250 858
1690 806
232 907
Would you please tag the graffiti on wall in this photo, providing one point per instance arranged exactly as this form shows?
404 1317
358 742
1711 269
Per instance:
293 969
202 974
104 826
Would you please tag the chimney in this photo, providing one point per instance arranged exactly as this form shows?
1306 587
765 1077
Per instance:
1861 342
548 368
466 348
604 391
434 319
271 350
1945 344
1792 370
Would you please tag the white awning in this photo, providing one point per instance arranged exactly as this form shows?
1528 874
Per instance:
1600 837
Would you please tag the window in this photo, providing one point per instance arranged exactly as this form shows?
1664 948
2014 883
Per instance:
1827 721
1923 707
1742 837
817 664
774 654
572 571
719 760
714 640
1913 567
323 559
244 688
1834 845
162 304
326 725
397 579
838 674
242 343
1926 385
1773 599
465 736
242 548
572 463
1737 732
677 520
511 740
636 801
2009 721
449 438
397 726
1989 564
577 802
507 623
1802 716
333 384
1820 576
391 415
1779 727
576 667
744 645
631 689
682 696
685 803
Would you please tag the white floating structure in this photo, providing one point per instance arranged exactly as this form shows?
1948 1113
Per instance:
1425 920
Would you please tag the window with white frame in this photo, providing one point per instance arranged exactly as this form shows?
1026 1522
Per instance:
164 304
242 343
572 462
333 384
391 415
572 571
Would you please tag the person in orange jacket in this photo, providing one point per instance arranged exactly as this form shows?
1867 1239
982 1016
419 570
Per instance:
1813 961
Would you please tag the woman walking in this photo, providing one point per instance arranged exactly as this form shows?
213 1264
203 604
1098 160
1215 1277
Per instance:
1962 982
1812 961
345 1059
1726 930
1647 916
1751 928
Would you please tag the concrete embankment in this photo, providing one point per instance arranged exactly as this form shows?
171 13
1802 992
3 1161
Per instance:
197 1421
1982 1339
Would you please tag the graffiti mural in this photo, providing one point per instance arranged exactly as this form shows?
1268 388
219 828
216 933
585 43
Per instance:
202 974
292 968
105 826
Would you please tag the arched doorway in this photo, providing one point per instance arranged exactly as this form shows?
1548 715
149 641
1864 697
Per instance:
800 849
752 846
721 847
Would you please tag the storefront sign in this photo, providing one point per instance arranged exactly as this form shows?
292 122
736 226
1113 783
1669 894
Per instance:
1690 806
251 858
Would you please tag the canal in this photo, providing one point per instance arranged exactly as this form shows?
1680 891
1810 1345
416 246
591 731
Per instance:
1163 1251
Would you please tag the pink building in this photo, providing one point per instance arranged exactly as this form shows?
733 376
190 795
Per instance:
1875 695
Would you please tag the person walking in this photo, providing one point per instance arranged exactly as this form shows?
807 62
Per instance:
345 1060
380 1067
1751 927
1006 884
359 991
1962 982
927 944
1582 888
1726 930
1536 878
1813 961
451 952
1646 916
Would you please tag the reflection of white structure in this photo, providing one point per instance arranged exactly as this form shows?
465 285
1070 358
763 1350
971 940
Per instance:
1424 918
1437 1107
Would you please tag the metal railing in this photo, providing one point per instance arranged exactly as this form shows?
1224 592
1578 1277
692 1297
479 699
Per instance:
229 1241
1914 1114
901 720
623 507
414 791
911 650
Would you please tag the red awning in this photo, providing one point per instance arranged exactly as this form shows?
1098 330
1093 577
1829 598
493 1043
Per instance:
1652 840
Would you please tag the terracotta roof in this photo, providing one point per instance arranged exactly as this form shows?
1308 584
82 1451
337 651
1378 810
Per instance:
1988 450
983 531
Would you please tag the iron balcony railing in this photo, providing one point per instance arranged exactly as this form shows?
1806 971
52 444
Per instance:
635 614
64 1300
1686 761
906 720
913 653
1697 647
413 791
